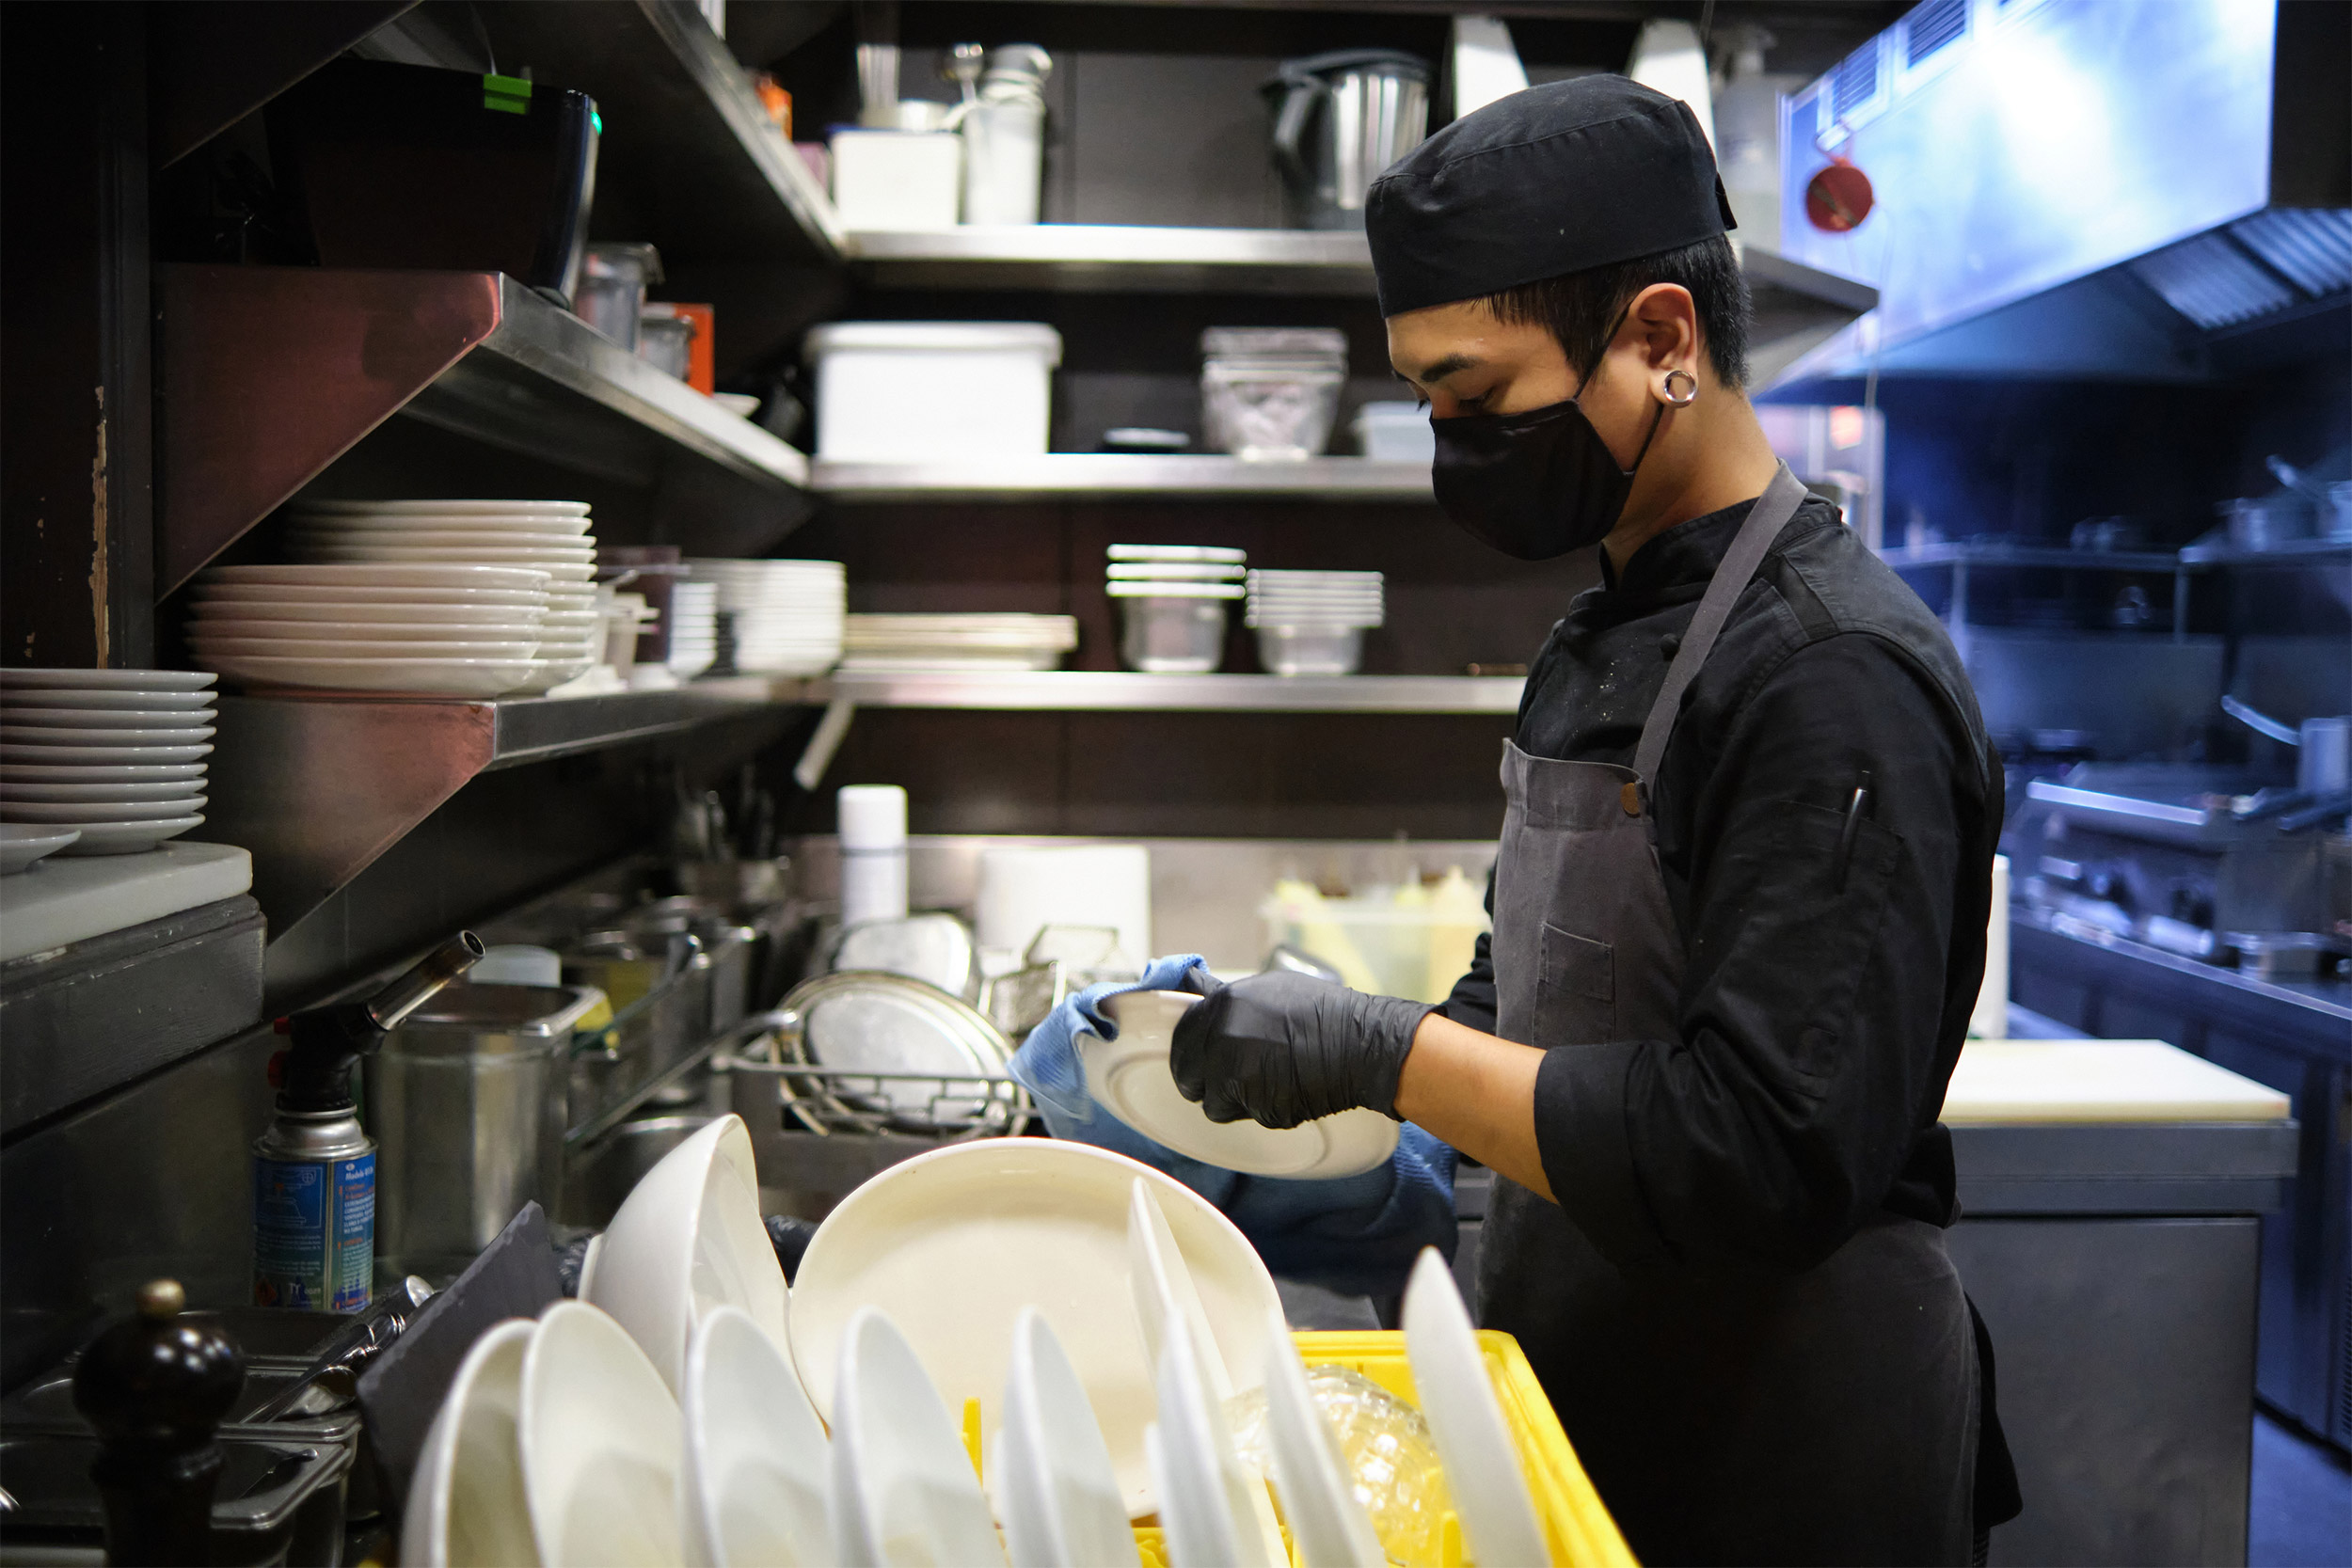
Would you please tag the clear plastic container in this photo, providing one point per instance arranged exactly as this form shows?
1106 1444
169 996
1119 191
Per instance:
1395 432
1270 409
612 292
665 341
1409 941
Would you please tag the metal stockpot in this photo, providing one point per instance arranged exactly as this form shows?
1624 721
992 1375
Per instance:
467 1101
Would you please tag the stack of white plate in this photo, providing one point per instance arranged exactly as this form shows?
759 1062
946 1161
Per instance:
547 536
117 755
694 627
1172 604
425 630
910 642
1182 571
1313 623
787 613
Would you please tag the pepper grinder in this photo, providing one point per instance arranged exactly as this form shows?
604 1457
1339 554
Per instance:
154 1390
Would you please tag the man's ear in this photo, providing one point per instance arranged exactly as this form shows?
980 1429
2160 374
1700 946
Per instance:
1669 320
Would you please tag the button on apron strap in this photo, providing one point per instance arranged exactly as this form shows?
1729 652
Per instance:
1770 514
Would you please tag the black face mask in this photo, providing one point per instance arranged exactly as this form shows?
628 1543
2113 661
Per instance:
1535 484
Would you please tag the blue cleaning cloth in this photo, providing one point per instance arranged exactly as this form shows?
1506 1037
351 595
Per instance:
1357 1235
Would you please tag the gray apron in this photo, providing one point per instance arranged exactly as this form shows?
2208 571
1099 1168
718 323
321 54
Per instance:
1824 1417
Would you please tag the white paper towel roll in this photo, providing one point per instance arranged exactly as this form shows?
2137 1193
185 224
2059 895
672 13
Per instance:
1022 889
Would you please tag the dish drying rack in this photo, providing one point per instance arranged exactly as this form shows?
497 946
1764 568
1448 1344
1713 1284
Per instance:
770 1089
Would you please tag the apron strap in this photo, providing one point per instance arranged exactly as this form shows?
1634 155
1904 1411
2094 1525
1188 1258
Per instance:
1766 519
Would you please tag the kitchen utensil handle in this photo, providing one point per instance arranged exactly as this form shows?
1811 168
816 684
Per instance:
1289 129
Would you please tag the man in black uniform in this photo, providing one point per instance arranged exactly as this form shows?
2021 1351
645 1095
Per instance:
1740 903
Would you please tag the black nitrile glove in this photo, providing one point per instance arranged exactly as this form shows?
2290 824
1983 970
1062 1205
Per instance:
1281 1048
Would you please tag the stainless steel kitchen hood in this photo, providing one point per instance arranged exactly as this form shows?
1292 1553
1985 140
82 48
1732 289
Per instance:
2080 188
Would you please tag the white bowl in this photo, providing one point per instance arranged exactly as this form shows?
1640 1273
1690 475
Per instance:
689 1237
21 845
18 678
602 1445
1130 1077
903 1489
100 773
466 1504
425 677
77 813
35 735
381 575
753 1489
1014 1222
146 701
105 718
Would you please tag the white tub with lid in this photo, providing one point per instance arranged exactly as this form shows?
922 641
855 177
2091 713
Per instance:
922 391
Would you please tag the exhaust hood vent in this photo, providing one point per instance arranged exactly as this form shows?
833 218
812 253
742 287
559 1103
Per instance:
2311 245
1931 28
1855 81
2214 281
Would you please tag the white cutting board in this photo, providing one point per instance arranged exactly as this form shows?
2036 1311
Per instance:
64 899
2100 1080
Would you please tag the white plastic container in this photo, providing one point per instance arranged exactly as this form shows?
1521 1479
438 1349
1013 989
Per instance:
897 179
872 822
922 391
1395 432
1004 160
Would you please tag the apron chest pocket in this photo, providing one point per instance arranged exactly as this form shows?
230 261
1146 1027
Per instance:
1576 996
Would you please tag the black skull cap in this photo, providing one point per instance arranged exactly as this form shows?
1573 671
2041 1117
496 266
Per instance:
1552 180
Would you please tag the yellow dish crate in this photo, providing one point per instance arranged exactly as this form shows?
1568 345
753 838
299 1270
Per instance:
1575 1527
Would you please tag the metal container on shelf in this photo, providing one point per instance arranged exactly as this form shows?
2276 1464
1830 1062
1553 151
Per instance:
467 1100
665 1022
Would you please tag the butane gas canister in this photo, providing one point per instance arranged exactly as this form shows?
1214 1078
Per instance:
314 1212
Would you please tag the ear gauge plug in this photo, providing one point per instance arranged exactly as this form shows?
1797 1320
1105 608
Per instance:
1689 395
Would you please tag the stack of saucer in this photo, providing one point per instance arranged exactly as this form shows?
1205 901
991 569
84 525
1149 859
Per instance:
1172 604
788 614
439 632
694 629
886 644
1313 623
547 536
115 756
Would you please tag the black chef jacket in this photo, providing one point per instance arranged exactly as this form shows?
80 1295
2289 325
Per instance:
1803 1090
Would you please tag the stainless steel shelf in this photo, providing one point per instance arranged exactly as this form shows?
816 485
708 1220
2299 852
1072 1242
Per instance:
1175 476
1086 257
1971 553
2297 553
318 787
1077 691
271 373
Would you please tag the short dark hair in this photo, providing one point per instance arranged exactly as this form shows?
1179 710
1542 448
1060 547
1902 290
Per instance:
1580 308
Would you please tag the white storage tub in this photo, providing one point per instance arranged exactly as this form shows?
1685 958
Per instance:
921 392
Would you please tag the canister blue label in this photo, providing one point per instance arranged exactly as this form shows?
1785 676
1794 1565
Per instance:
315 1234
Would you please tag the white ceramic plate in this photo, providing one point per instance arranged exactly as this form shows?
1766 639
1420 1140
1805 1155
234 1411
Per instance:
741 405
336 648
430 677
902 1487
376 525
1457 1397
100 773
75 814
753 1490
1056 1489
512 579
602 1445
21 843
558 571
103 680
549 673
514 629
1327 1525
106 718
1220 554
106 756
127 838
370 604
467 1506
1208 1500
1016 1223
35 735
520 546
148 700
429 508
1129 1076
689 1237
160 789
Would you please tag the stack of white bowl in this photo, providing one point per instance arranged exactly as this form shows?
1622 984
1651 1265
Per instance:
547 536
420 630
788 614
1313 623
1172 604
117 755
694 627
